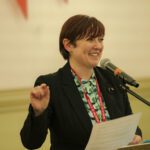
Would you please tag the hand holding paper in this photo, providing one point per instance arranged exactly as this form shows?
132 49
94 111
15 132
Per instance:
113 134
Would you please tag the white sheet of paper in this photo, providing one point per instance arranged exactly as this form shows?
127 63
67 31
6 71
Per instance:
113 134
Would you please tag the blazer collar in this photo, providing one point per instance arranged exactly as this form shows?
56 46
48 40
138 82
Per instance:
74 97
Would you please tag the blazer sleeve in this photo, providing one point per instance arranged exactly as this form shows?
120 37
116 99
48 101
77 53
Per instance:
34 130
129 111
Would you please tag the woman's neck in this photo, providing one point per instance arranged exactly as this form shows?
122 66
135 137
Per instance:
82 71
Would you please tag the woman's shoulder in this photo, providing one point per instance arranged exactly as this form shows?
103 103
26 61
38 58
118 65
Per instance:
104 72
55 77
46 78
107 75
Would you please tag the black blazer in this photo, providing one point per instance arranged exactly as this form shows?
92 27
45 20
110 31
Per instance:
66 117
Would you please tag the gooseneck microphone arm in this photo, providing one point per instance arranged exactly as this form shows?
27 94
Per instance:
126 88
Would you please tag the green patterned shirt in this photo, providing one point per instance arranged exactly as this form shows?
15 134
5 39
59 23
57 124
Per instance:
91 89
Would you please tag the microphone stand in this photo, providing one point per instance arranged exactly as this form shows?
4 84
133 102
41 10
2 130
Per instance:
125 87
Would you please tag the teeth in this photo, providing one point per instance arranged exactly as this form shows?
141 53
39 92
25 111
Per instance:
94 54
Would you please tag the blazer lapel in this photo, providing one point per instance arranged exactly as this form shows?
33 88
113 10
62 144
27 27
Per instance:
106 92
75 99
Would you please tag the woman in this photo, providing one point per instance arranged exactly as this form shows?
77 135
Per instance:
78 95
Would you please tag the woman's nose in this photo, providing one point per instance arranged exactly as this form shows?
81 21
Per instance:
98 44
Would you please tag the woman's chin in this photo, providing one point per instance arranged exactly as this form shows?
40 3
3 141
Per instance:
94 64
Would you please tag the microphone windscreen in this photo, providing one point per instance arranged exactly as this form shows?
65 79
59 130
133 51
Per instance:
104 62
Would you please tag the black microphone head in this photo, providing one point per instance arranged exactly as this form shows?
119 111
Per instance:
104 62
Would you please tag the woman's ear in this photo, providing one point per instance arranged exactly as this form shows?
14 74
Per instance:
67 45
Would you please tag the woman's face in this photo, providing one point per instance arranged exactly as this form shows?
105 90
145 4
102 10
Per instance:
87 52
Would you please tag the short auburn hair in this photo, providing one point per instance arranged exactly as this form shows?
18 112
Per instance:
79 27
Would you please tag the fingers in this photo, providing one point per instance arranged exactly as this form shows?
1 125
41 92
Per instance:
40 91
45 89
136 140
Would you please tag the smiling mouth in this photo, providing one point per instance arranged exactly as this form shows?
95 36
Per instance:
94 54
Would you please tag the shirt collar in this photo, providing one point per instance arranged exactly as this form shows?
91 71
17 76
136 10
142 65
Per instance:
91 80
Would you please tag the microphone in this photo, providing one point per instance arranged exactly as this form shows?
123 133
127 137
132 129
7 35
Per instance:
106 64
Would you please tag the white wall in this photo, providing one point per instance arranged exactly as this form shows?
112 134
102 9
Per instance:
30 47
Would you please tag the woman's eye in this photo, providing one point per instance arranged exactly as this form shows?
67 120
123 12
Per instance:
100 39
91 39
